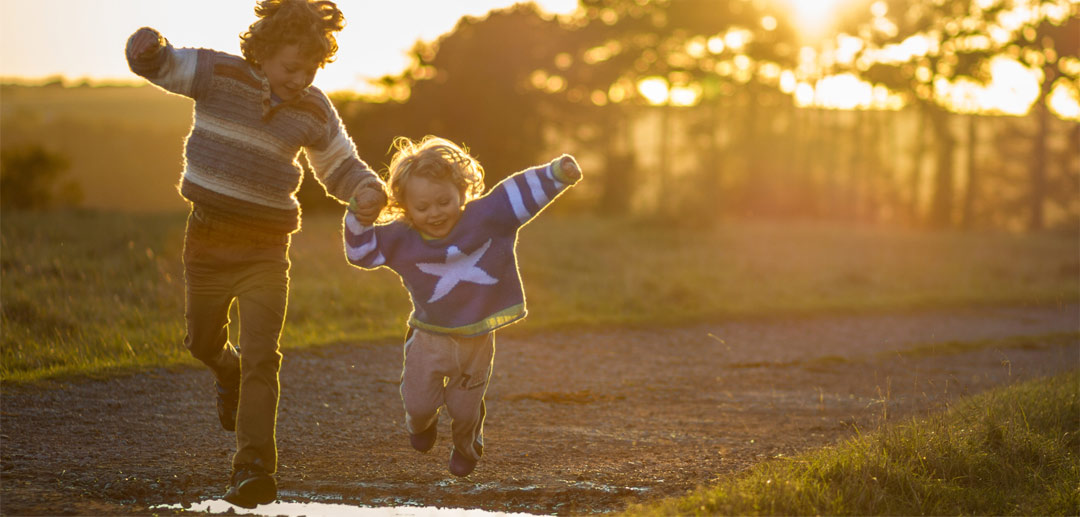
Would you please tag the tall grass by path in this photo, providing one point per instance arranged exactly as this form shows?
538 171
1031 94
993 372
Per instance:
1009 451
91 292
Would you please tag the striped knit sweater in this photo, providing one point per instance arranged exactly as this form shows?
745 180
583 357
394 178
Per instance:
466 283
240 167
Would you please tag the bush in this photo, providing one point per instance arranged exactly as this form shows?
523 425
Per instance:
30 180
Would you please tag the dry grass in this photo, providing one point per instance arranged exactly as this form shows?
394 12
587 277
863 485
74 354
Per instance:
90 293
1012 451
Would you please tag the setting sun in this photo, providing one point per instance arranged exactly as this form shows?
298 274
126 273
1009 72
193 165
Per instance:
813 18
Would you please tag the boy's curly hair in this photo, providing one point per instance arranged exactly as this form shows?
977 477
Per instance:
436 158
310 24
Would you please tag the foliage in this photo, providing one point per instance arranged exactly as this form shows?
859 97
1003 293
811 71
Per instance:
30 180
472 86
124 145
961 38
89 292
518 87
1012 451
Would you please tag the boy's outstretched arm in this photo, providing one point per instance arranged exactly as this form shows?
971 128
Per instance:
151 56
143 44
338 168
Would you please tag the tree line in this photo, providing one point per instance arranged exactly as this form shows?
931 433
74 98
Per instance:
727 133
700 110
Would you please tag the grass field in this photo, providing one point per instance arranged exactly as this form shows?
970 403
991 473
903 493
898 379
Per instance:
1011 451
100 293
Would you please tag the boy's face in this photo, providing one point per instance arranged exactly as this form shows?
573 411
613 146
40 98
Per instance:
289 72
432 205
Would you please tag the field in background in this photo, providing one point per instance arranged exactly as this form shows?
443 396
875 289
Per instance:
125 144
91 293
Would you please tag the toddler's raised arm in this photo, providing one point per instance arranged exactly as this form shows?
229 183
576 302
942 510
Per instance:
523 195
569 169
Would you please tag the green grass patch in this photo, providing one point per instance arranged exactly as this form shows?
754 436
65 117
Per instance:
1053 339
87 292
1011 451
962 347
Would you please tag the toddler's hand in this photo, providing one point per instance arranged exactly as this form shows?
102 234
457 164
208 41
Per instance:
569 168
145 41
366 204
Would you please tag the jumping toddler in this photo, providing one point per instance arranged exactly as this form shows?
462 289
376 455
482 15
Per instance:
455 253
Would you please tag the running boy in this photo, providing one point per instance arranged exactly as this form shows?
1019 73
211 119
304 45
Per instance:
455 253
253 114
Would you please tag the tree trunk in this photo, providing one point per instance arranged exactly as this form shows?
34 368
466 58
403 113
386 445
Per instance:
856 172
812 145
709 198
664 168
917 165
618 181
971 190
941 207
1038 166
830 147
750 137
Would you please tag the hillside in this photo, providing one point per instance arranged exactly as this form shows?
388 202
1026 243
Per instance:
124 144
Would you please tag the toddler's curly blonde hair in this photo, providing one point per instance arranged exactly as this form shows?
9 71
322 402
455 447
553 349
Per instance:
309 24
435 158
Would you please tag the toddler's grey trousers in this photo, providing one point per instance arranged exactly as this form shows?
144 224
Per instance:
441 369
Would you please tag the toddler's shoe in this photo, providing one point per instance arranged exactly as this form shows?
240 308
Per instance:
227 402
425 440
251 486
461 466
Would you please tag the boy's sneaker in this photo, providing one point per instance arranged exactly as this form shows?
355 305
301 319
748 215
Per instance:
461 466
425 440
227 401
251 486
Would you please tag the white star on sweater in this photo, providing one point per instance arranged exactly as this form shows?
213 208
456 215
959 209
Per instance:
458 268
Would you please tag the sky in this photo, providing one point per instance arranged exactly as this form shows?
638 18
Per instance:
85 38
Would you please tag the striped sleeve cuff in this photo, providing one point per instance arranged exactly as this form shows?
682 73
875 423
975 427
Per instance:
362 244
559 174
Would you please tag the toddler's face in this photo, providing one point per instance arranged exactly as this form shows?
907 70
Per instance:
433 206
289 72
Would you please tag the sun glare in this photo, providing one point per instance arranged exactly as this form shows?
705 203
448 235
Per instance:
1064 101
654 89
814 18
1014 87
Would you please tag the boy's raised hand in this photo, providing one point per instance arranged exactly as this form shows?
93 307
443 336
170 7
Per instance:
145 41
569 168
366 204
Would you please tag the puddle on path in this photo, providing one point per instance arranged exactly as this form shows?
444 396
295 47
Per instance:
394 507
297 509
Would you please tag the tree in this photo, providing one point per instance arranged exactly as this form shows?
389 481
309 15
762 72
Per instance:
944 44
1047 41
472 86
722 57
916 48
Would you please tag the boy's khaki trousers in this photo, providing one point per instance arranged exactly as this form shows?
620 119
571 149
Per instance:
450 370
219 268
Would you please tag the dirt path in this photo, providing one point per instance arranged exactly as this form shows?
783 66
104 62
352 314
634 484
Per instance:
577 422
